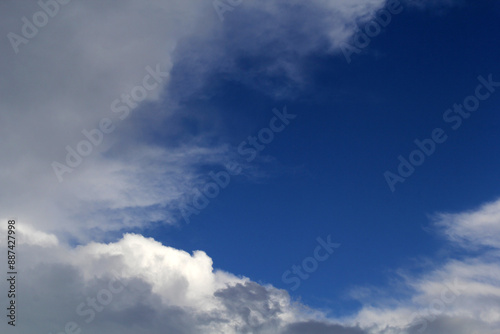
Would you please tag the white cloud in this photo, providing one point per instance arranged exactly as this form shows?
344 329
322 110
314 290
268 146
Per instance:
461 295
65 79
151 285
168 289
475 228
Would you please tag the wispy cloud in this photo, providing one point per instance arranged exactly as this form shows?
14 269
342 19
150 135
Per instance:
462 294
67 79
474 228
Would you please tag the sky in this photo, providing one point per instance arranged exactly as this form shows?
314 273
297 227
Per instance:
237 166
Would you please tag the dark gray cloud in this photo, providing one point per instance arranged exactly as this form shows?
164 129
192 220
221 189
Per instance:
455 325
316 327
254 305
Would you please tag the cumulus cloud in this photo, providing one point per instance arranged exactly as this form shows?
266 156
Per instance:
136 284
316 327
139 285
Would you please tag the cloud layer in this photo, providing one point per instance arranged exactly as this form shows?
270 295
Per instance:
85 66
137 284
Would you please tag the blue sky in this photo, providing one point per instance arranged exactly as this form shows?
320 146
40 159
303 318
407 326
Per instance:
322 175
353 121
